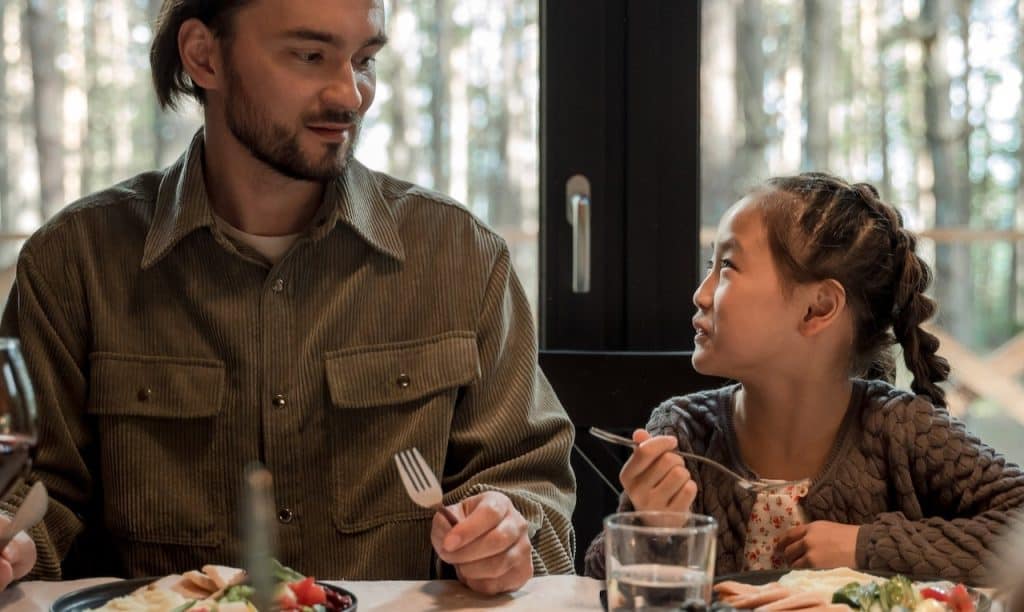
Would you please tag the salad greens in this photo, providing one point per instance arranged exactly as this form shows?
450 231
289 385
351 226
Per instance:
898 594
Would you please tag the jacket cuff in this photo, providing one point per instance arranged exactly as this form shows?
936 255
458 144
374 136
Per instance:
865 535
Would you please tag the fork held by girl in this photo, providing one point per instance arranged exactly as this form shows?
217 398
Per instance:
812 282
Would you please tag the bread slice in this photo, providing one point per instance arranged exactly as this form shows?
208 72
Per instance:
224 576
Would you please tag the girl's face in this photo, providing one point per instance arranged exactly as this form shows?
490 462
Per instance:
745 323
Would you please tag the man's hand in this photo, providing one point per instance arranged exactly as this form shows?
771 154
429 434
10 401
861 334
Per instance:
490 547
820 545
18 558
655 478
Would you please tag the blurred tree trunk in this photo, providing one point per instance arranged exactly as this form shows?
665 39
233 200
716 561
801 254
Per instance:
882 75
750 93
947 144
399 154
88 151
5 189
1016 270
160 126
819 65
440 164
503 193
43 34
719 92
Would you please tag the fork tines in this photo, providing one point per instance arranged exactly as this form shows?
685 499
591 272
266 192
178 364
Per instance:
411 463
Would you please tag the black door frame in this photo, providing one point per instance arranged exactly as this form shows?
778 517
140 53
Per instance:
620 104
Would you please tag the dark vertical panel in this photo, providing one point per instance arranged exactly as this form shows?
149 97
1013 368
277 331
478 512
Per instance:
582 130
662 173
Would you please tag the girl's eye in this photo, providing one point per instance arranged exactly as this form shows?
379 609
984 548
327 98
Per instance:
309 57
727 263
708 265
367 62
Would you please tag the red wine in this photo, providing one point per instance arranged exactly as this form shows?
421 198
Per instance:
15 453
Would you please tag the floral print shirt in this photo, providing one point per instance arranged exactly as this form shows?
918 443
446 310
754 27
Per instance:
775 512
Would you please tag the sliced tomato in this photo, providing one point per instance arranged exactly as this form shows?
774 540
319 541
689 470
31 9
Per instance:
960 600
308 592
286 598
934 593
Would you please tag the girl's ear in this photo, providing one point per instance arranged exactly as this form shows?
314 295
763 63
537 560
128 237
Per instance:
200 54
827 301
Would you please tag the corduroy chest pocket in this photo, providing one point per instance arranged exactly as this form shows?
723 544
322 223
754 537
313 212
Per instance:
387 398
162 480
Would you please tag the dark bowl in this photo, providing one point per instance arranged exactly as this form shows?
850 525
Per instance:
96 596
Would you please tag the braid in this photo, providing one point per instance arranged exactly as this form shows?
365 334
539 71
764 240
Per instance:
833 229
911 308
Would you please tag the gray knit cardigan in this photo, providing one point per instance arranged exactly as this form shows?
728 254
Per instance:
931 499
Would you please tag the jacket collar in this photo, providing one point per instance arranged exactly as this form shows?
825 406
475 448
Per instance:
183 206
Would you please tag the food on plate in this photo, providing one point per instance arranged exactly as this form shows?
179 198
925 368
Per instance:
844 589
218 588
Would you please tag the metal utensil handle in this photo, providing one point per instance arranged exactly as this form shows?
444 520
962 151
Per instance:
608 436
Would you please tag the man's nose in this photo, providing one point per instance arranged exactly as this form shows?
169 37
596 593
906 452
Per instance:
343 90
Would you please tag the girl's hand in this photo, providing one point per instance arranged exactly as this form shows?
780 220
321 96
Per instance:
17 559
655 478
820 545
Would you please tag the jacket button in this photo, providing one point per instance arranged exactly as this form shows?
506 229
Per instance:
278 401
403 381
285 515
144 394
278 286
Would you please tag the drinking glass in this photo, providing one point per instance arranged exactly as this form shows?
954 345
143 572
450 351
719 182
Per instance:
659 560
17 416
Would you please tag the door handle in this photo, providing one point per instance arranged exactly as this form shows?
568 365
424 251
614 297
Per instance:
577 211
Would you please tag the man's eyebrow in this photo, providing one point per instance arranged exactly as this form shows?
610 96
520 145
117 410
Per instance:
331 39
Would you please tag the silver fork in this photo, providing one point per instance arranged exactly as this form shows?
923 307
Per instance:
420 483
743 482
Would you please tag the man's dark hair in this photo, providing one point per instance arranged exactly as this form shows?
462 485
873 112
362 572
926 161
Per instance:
169 76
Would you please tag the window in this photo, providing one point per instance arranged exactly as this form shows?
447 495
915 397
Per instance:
456 110
920 98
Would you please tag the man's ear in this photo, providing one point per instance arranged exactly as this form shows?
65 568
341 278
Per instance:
200 54
826 301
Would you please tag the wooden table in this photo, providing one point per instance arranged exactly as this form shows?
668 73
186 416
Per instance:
543 593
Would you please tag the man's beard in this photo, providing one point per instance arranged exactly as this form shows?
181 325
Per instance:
276 146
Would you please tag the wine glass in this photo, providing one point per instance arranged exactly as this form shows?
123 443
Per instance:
17 416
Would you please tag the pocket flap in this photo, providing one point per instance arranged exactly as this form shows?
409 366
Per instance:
391 374
159 387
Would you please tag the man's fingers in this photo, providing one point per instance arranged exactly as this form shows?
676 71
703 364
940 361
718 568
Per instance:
499 564
506 535
483 516
439 528
510 581
6 574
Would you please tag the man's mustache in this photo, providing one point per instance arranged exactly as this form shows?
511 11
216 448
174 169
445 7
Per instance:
336 116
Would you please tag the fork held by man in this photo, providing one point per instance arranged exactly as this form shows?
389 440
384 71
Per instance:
421 484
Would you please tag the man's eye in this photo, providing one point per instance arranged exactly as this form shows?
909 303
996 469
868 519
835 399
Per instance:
727 263
367 62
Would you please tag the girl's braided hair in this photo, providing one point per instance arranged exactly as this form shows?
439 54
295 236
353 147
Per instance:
821 227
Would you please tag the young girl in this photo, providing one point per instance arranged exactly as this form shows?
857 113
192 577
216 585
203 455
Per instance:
812 281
